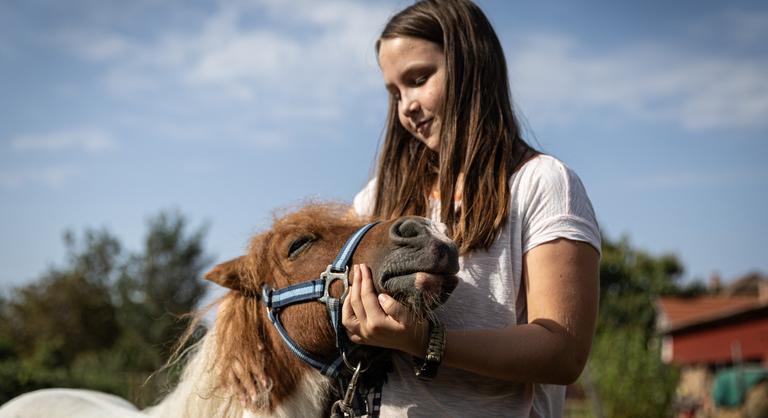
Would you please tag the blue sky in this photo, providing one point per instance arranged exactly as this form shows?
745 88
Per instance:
226 110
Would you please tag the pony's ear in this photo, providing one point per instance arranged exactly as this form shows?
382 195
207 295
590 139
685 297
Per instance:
228 274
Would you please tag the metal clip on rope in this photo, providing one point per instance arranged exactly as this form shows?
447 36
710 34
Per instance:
343 407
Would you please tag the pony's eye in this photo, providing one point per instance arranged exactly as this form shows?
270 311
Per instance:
300 244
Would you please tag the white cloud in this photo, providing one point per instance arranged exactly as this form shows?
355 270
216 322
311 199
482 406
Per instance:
557 79
87 139
333 56
329 54
53 177
250 68
252 56
271 54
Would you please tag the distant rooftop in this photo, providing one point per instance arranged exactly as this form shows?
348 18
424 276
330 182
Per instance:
744 294
726 325
676 313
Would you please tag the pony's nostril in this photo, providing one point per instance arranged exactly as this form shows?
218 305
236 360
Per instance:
409 228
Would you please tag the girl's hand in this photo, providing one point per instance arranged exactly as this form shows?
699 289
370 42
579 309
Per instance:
380 320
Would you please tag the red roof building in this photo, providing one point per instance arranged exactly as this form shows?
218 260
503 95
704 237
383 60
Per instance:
715 329
709 335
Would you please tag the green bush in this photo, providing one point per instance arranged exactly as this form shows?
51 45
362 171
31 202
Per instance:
630 378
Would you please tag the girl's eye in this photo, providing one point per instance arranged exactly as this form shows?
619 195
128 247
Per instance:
299 244
420 81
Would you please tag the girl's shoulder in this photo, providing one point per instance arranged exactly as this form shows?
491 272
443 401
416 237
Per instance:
547 187
542 171
365 199
550 202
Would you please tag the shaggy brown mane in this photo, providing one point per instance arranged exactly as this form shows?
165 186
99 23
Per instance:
318 214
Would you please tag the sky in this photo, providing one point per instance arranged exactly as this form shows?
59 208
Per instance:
112 111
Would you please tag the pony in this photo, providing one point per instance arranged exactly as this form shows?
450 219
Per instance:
410 258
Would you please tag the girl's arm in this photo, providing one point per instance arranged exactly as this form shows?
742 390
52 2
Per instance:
561 282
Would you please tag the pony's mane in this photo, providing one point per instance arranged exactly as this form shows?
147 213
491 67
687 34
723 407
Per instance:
197 393
315 214
204 389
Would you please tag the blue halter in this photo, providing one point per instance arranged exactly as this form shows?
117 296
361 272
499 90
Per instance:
318 290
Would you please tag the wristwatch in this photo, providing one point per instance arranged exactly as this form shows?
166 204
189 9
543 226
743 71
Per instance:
427 369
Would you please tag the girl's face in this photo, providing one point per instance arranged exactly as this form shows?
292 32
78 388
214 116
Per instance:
414 73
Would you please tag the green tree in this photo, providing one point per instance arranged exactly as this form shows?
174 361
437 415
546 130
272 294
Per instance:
7 349
106 319
68 310
629 376
158 287
625 365
630 282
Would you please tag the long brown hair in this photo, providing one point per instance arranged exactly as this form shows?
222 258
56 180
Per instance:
479 136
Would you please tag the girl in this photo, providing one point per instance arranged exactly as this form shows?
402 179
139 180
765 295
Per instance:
520 322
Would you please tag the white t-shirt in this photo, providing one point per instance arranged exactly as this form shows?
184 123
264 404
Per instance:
548 201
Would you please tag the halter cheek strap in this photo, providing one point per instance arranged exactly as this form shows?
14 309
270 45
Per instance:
276 300
318 290
342 260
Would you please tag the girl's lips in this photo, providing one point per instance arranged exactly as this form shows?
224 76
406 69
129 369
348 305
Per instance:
423 126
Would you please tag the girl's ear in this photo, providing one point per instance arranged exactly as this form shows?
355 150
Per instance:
228 274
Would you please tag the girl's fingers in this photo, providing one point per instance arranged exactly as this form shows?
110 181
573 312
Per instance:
393 308
348 318
363 314
368 295
354 296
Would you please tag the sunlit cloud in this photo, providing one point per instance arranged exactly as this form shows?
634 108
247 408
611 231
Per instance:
271 54
86 140
229 50
252 56
296 67
560 80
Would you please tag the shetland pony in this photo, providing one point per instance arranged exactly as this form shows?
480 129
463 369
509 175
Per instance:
409 258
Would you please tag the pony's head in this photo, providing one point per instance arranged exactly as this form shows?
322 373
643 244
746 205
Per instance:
409 257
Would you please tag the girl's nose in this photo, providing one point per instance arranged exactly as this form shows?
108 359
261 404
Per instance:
411 105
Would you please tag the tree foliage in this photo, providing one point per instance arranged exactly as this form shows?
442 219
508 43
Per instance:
106 319
162 284
630 378
625 366
630 282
